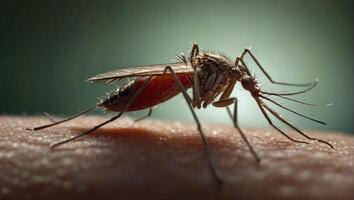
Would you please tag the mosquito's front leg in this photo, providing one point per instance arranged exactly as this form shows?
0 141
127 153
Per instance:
248 51
226 103
260 105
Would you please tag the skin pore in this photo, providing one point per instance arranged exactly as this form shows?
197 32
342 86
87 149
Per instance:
155 159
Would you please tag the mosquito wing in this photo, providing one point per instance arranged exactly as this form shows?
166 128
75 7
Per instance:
146 70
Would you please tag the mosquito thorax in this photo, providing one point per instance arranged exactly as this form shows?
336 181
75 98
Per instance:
209 64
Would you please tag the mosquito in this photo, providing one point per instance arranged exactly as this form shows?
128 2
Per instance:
211 76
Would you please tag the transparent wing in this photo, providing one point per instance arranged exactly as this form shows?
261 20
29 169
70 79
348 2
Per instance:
146 70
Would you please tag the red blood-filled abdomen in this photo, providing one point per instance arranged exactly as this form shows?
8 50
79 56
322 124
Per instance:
159 89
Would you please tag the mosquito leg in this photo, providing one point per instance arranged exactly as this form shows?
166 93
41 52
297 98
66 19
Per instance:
227 92
292 126
234 120
196 84
182 59
311 85
275 127
225 101
194 52
144 117
261 104
49 117
239 60
199 126
64 120
86 132
248 51
196 49
196 90
106 122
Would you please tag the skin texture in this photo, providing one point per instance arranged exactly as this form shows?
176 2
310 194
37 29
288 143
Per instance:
165 160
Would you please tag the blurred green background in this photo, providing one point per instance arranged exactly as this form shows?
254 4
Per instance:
49 48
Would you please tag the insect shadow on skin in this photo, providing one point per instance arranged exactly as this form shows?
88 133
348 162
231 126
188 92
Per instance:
211 76
155 137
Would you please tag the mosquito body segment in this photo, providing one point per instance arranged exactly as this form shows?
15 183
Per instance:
213 72
159 89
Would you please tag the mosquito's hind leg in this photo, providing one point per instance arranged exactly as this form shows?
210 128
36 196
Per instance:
248 51
199 126
144 117
225 103
64 120
106 122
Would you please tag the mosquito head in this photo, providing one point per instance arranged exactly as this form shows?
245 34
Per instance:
250 84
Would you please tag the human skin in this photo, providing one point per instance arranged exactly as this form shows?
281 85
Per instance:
155 159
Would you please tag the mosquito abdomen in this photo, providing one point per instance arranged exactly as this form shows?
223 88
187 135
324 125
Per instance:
159 89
